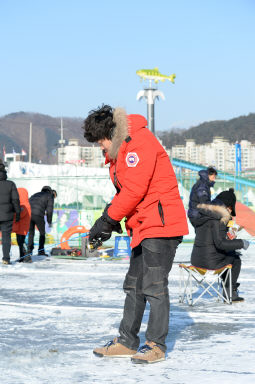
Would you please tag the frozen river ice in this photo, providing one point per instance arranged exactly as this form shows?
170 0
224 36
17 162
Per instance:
55 311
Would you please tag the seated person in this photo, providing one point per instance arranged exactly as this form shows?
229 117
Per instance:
212 249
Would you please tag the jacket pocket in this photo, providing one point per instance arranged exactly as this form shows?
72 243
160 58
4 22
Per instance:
129 283
154 282
151 215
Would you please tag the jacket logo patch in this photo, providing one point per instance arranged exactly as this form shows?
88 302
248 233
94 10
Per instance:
132 159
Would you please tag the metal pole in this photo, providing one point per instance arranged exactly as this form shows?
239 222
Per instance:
150 114
62 143
30 143
150 94
77 203
61 133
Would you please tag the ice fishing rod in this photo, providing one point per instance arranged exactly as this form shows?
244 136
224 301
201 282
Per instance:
93 245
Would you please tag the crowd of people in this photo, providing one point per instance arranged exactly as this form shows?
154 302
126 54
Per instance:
19 214
147 196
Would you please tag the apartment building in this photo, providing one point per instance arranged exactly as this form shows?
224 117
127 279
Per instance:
220 153
73 153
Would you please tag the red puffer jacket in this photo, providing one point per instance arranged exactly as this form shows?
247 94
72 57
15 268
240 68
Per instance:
147 191
22 226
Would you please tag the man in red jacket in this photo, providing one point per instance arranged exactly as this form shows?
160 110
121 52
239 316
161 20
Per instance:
147 195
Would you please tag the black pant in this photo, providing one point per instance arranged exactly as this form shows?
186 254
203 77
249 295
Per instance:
21 242
234 259
147 280
40 223
6 228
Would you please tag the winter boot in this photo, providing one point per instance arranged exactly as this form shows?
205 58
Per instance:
6 262
114 349
235 297
27 259
41 252
149 353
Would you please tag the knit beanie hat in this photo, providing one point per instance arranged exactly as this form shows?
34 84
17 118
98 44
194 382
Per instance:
46 188
228 198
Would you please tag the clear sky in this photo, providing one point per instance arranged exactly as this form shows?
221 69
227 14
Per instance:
66 57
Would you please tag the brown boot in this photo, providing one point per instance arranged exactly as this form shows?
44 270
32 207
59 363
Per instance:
27 259
114 349
7 262
148 353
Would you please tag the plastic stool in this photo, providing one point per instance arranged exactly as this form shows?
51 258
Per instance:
119 250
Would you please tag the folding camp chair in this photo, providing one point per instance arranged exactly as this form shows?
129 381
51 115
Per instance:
210 280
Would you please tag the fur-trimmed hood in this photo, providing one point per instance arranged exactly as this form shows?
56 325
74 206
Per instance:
220 212
126 125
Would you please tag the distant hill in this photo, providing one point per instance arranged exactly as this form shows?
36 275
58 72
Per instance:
14 134
240 128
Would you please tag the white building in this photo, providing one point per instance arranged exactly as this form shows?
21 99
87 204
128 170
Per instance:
168 151
219 153
10 157
73 153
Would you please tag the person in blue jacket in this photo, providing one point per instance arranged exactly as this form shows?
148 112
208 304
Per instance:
201 194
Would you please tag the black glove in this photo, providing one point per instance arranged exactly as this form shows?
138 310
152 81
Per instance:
103 227
246 244
17 219
100 230
117 228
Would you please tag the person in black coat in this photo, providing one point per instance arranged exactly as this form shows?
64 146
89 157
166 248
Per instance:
201 194
2 166
212 248
9 204
41 203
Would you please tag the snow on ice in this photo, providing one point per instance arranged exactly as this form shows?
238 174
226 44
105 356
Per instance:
55 311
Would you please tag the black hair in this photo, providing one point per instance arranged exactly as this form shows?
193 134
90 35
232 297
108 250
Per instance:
212 171
99 124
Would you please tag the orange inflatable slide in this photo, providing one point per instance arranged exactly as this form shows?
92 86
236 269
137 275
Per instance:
245 217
